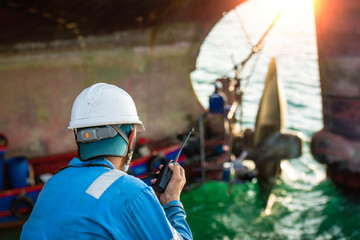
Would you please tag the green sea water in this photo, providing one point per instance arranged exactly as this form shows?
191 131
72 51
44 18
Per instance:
305 204
319 212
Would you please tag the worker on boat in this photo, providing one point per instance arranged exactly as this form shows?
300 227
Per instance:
217 100
216 123
94 197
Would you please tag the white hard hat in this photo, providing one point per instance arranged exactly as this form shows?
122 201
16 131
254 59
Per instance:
104 104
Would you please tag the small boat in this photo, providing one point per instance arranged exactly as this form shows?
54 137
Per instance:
264 146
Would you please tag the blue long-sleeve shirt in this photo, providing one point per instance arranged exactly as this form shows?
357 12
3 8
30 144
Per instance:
92 200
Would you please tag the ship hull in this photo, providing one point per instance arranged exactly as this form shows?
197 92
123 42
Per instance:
50 52
338 143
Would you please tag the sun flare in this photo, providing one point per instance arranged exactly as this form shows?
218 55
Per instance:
298 8
291 5
293 13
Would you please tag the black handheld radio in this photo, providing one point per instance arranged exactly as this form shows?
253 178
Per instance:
165 174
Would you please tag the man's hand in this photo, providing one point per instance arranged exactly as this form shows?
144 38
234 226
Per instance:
175 186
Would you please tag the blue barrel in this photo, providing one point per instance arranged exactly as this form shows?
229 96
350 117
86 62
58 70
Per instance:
18 171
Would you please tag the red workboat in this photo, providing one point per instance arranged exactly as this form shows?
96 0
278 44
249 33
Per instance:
16 203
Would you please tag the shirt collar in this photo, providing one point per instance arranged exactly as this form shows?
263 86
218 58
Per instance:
78 163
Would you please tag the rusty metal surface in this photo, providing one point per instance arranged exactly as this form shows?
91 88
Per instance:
33 20
336 150
37 94
338 39
150 57
342 116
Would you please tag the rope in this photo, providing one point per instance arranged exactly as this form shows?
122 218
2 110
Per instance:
247 78
248 38
258 47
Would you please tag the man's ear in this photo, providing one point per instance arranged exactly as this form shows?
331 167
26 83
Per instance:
132 139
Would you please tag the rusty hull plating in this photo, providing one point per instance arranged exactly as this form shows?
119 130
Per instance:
338 143
51 50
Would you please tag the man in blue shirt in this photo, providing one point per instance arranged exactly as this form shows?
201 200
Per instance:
93 198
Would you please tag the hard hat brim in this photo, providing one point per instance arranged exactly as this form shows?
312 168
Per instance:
75 124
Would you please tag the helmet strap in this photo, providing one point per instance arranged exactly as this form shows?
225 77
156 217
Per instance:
130 150
121 133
